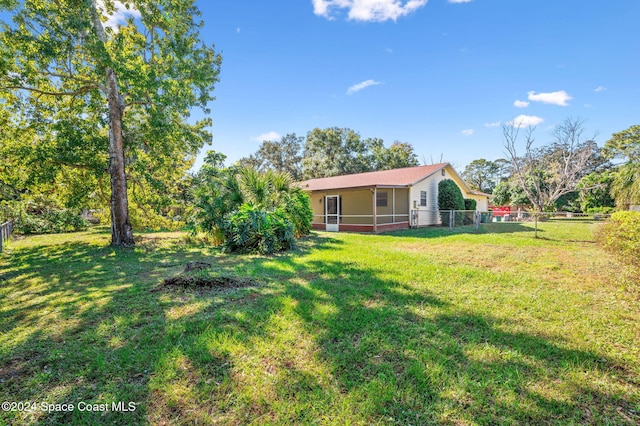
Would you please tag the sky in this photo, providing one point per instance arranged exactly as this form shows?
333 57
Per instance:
442 75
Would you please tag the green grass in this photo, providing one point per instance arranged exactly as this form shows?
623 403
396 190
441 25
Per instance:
414 327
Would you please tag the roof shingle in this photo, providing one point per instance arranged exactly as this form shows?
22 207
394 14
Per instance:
396 177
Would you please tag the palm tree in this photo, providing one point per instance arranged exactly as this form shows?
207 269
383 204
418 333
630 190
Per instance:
267 190
625 187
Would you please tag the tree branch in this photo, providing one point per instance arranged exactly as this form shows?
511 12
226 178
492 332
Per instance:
77 92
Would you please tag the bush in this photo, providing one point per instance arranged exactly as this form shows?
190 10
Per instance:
603 210
450 198
252 230
470 204
621 237
250 211
298 211
41 217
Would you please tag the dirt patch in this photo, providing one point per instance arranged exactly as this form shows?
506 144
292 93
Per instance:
197 275
209 281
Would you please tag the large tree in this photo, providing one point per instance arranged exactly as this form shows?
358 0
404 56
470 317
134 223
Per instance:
625 146
112 94
284 155
480 174
338 151
334 151
548 172
398 155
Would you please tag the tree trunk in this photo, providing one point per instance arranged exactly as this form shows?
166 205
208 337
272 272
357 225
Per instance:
121 230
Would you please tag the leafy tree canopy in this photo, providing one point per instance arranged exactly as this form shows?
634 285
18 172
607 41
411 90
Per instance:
625 145
509 192
84 100
284 155
625 187
329 152
480 175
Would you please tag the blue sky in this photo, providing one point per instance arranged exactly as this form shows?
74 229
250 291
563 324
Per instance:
439 74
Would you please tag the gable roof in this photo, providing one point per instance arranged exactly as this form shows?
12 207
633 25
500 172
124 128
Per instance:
479 193
397 177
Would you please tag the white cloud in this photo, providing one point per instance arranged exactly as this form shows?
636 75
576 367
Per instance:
468 132
525 121
357 87
496 124
270 136
555 98
460 1
368 10
600 89
119 15
521 104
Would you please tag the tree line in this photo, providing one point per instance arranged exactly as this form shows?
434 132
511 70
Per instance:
570 172
329 152
98 117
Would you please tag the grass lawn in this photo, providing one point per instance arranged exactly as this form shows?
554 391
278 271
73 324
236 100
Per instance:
414 327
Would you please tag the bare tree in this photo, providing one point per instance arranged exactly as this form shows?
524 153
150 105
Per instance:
551 171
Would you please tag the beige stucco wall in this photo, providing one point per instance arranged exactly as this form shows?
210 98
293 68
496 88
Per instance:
428 215
357 205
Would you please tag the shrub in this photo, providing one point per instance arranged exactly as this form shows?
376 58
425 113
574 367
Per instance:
42 216
450 198
232 204
470 204
621 237
299 213
603 210
252 230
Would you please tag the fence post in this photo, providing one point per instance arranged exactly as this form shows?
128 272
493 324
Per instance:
5 232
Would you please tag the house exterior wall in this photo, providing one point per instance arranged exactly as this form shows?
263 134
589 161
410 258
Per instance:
428 215
402 207
356 209
482 202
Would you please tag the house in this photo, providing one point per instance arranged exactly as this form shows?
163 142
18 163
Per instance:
384 200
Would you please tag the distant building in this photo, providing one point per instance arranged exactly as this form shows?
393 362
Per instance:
384 200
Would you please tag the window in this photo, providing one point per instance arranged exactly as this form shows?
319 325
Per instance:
381 199
423 198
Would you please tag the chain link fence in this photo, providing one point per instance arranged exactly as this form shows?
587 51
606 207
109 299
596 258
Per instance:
5 232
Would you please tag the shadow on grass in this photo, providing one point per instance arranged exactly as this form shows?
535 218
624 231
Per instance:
485 228
78 324
326 340
84 322
411 358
